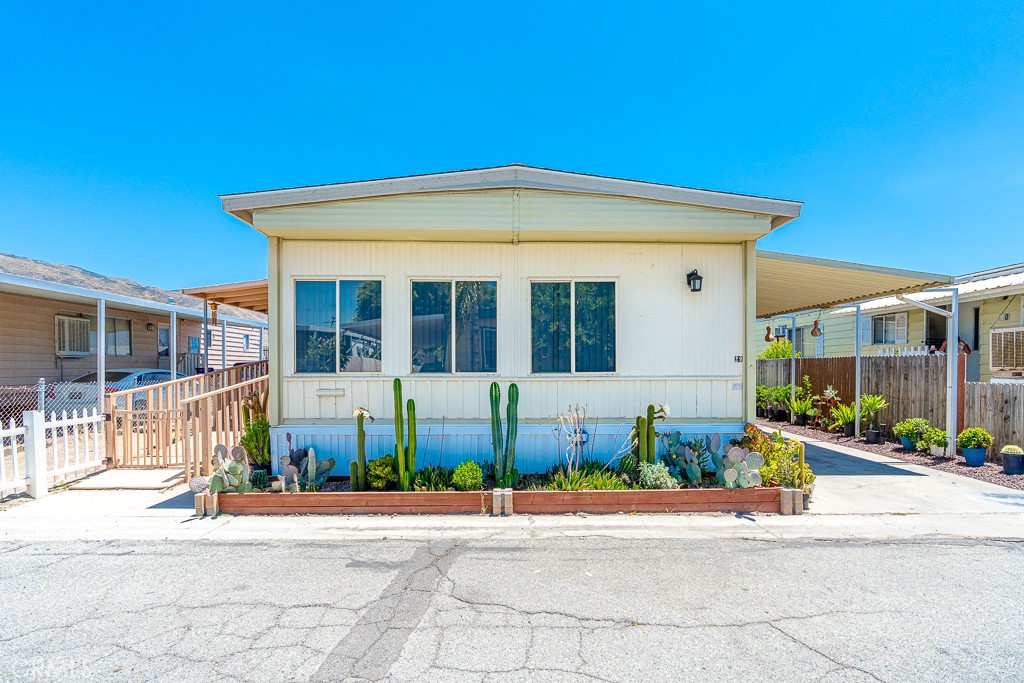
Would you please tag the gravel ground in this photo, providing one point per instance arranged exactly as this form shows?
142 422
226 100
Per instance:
990 471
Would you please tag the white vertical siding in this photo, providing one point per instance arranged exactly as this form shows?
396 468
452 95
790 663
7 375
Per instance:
673 345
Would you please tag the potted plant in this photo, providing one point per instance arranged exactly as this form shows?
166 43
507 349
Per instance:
935 441
800 409
844 416
974 442
761 398
1013 460
871 405
780 401
910 432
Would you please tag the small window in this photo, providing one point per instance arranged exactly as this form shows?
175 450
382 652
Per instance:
468 346
326 310
245 342
572 327
193 344
118 336
889 329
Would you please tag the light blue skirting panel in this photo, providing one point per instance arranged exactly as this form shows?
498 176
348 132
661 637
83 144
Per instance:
537 448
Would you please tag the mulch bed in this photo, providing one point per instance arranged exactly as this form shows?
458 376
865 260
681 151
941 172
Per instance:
990 471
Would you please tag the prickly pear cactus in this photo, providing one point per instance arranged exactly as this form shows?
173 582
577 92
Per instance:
682 457
738 469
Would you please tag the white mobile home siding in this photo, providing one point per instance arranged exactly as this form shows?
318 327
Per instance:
673 346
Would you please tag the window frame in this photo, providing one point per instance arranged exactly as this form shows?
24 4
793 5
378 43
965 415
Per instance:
453 299
338 372
572 323
94 335
895 329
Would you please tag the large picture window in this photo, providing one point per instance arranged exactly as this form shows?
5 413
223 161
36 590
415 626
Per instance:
572 326
470 345
338 326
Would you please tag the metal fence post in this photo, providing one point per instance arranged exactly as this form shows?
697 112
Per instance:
41 395
35 452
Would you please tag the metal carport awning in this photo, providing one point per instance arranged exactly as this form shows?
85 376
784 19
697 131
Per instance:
787 283
250 295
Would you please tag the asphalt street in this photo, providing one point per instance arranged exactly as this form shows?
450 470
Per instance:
554 609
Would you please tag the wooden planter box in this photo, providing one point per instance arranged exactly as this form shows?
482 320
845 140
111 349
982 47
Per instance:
525 502
370 503
652 500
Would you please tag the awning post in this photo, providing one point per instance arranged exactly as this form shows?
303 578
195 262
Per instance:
101 352
172 344
206 334
792 367
223 344
952 366
856 372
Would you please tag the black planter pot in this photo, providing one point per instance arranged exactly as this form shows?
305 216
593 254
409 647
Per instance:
873 436
782 415
801 420
848 429
1013 463
760 411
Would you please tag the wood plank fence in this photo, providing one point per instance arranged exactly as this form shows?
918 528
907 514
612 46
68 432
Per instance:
999 408
914 386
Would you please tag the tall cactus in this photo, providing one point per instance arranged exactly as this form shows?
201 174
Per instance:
504 445
405 456
357 468
642 442
652 435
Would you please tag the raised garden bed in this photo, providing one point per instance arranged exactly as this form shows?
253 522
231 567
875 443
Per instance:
525 502
656 500
375 503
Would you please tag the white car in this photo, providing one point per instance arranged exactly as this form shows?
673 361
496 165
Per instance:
80 393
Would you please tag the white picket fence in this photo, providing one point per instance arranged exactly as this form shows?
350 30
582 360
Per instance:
48 450
909 351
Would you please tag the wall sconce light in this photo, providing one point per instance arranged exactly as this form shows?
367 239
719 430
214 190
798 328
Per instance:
694 280
150 327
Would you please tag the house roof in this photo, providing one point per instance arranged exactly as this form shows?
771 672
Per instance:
787 283
242 205
21 275
1005 281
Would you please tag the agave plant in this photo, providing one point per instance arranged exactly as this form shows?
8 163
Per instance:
872 405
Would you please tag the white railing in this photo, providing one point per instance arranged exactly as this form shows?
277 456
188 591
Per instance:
909 351
50 449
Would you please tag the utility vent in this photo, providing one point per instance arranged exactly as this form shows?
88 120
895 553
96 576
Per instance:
72 336
1008 350
781 332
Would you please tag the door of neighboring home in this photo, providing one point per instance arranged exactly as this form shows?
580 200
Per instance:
163 346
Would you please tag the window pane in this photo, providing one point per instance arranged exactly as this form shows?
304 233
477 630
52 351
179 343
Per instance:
595 327
890 330
431 326
550 324
476 326
314 326
878 330
360 307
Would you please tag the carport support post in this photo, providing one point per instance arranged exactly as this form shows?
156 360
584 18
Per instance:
172 347
952 365
792 368
101 351
856 372
223 344
206 334
260 355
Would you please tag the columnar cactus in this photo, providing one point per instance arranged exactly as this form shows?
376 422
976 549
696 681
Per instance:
504 446
357 468
405 455
652 435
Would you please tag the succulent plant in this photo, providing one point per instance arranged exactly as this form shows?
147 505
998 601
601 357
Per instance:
405 453
1013 450
739 468
380 472
357 469
232 473
656 476
259 479
680 457
468 476
504 447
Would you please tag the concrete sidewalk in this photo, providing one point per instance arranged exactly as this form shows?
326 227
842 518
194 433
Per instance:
858 495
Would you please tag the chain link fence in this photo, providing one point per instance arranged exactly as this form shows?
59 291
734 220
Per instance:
57 397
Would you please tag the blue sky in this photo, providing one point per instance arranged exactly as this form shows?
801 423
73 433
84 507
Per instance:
901 125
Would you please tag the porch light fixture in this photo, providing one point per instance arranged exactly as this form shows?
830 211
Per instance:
150 327
694 280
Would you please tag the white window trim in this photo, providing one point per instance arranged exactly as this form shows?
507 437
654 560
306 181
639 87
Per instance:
896 335
295 374
94 327
454 360
572 324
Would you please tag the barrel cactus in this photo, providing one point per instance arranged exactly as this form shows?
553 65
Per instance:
258 479
738 469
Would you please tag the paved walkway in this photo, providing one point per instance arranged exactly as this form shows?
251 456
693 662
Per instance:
857 495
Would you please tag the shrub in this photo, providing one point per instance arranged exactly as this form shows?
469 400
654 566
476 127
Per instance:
433 478
843 415
778 396
256 441
656 476
932 437
974 437
801 406
380 473
912 429
776 449
780 348
468 477
761 396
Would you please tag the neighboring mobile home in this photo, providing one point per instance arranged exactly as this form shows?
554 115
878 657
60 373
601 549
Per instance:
582 289
990 315
48 324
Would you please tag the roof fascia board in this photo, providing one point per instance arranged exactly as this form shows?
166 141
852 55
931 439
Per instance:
242 205
31 284
863 267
